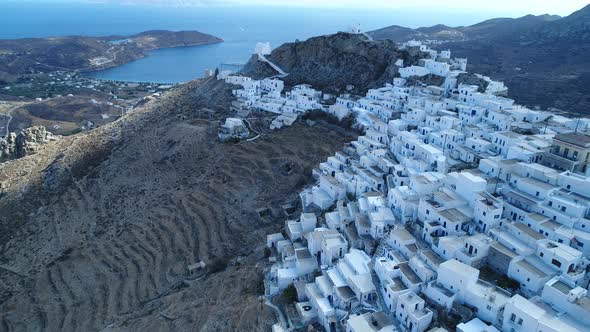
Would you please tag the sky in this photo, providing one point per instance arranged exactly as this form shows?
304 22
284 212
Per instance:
510 7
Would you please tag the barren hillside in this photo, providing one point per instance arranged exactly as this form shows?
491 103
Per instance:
98 228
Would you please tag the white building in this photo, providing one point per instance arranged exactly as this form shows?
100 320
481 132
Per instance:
412 313
370 322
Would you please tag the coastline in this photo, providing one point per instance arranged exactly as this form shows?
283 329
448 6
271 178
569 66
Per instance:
144 54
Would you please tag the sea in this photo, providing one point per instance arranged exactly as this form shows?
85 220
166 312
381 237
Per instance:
241 27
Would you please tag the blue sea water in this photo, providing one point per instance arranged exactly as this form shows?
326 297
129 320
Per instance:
239 27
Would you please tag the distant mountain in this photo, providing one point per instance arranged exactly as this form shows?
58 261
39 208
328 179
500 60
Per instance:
543 59
493 28
575 27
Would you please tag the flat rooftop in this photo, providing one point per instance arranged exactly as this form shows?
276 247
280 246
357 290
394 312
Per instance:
402 234
529 231
454 215
303 253
531 268
409 273
538 183
397 285
345 292
562 287
577 139
433 257
503 249
412 247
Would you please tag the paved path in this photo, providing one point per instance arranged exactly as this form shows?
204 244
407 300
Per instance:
366 35
263 58
282 317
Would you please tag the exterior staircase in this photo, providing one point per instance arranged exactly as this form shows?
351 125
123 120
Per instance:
281 72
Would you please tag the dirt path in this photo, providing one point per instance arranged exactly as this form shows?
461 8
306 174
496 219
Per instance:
9 116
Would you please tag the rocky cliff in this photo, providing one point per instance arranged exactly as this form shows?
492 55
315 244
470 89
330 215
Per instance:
331 63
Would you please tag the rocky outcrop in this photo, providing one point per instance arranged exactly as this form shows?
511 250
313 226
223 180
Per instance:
337 63
472 79
26 142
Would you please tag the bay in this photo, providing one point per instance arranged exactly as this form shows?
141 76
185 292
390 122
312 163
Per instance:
240 28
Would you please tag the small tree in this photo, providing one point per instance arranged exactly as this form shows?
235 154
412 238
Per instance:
217 265
216 72
351 197
290 293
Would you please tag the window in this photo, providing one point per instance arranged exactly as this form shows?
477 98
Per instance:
550 203
519 321
556 262
563 209
513 318
541 254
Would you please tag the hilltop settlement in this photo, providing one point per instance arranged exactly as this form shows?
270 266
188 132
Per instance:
456 208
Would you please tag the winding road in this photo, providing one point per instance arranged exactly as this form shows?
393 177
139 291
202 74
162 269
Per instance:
7 114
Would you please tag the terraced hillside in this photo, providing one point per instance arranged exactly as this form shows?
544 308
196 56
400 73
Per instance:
98 229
